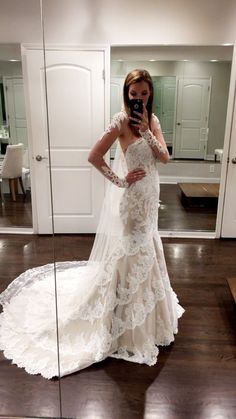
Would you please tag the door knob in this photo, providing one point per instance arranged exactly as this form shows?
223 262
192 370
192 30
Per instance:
39 158
178 123
234 160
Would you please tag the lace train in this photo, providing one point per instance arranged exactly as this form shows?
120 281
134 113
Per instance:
124 317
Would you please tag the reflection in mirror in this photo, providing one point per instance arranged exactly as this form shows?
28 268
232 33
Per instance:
15 183
28 332
190 99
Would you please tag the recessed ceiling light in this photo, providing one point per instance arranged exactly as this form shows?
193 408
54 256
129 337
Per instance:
13 60
152 60
227 45
214 61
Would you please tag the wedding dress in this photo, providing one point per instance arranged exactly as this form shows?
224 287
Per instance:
119 305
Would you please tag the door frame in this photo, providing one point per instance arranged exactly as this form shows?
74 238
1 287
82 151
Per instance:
226 149
24 48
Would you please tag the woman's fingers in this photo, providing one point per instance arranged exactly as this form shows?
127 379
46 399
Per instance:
135 175
141 121
135 121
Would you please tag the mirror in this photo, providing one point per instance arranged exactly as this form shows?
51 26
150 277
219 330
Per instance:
15 180
190 99
28 304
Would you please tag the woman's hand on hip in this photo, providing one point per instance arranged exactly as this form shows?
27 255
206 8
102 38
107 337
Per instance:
135 175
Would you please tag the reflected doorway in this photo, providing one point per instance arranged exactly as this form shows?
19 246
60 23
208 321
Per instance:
15 208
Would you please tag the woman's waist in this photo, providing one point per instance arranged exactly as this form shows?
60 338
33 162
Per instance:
150 170
148 184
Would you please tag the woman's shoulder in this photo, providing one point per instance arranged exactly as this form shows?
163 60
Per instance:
155 121
118 119
120 116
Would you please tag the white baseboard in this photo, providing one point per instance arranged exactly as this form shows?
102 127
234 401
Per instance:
185 179
16 230
188 234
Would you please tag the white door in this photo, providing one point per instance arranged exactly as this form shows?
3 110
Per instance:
229 212
116 94
191 133
75 95
164 104
15 109
116 102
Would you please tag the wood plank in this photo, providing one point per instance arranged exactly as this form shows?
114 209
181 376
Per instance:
200 190
232 286
201 361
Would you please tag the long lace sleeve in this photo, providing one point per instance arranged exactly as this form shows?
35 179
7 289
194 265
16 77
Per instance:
96 156
98 161
155 140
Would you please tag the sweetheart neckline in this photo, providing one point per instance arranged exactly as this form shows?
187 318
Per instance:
134 142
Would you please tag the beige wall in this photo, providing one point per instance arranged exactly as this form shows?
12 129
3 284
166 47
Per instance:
120 22
10 69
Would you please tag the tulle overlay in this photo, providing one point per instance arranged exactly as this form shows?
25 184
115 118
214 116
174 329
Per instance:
122 306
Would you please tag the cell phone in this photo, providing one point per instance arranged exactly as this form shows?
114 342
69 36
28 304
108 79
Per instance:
135 105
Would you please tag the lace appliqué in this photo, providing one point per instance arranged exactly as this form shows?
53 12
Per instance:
116 121
152 141
121 183
148 354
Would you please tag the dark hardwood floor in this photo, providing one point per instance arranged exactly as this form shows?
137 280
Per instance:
16 214
195 377
177 216
173 215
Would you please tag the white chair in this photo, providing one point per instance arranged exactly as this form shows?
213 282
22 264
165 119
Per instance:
12 169
218 154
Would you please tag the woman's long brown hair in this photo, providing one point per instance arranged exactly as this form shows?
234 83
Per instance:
137 76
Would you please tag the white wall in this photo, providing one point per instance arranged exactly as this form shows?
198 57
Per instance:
120 22
185 171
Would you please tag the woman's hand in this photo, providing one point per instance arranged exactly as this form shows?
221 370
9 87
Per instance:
135 175
142 122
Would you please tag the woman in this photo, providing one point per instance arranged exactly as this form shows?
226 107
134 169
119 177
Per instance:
119 303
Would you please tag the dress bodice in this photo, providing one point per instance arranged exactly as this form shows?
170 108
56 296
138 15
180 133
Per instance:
139 155
140 201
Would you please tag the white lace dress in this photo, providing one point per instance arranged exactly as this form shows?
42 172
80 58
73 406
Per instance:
124 308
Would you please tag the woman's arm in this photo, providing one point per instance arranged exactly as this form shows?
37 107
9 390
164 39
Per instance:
153 137
156 141
97 153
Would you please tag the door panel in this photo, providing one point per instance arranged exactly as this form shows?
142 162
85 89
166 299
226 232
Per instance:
15 104
192 118
75 94
164 104
69 91
116 94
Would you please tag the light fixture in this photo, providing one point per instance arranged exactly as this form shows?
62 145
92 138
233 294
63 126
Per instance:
13 60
